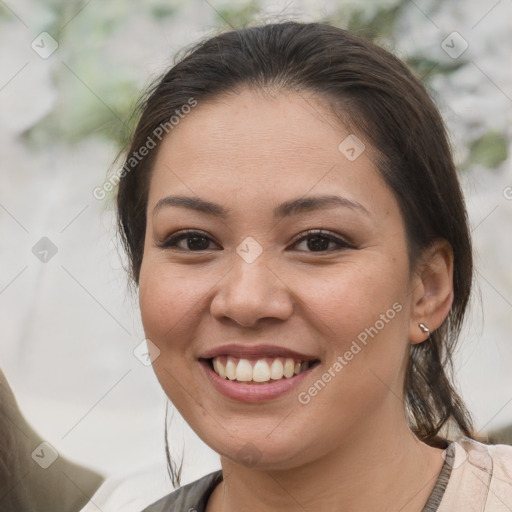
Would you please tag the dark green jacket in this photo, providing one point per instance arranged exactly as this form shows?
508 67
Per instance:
189 498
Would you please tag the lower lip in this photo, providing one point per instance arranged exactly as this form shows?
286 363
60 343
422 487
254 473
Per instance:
253 392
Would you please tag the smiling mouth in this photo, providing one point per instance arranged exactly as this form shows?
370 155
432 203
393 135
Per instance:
258 371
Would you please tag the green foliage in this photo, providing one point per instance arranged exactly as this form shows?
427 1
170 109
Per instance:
239 16
380 25
97 91
490 150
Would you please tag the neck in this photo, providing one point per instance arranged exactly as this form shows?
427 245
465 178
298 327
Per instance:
380 467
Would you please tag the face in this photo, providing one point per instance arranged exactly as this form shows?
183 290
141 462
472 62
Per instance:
311 329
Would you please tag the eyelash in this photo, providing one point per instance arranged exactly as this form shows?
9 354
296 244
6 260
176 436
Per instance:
172 241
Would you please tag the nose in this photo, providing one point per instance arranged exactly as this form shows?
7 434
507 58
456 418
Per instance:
251 292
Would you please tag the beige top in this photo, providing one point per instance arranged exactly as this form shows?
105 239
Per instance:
480 479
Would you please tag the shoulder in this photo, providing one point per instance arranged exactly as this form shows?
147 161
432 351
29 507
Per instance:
502 457
193 496
480 479
501 484
497 456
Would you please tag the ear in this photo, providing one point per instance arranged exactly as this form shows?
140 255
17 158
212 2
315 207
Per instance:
432 290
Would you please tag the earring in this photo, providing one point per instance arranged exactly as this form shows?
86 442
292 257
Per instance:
425 329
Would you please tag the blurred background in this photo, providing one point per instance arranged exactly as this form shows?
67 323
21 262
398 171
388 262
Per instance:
70 75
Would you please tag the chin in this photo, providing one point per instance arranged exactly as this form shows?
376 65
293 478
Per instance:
258 451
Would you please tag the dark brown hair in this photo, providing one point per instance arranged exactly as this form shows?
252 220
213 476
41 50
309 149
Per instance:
378 95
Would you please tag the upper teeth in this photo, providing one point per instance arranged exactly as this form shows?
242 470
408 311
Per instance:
261 370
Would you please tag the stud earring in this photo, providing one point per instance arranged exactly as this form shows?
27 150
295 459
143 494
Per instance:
425 329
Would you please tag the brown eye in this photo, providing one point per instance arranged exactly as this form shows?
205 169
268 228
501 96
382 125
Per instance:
319 241
195 241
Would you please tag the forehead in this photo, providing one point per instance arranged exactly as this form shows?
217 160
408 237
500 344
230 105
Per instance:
254 146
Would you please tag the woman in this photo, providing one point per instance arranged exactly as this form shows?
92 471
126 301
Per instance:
295 226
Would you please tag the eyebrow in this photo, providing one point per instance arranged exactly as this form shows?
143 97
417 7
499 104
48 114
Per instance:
286 209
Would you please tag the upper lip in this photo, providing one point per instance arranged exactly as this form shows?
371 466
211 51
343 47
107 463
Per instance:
255 351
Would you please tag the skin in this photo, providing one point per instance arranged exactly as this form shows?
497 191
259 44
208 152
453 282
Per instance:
350 446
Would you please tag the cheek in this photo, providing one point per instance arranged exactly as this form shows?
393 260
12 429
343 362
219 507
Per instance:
156 298
168 303
361 311
169 297
350 299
